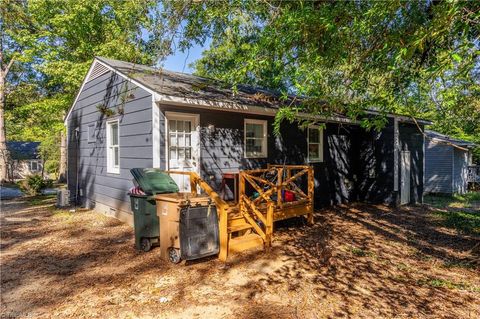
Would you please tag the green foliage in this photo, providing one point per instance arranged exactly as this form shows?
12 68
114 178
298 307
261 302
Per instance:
33 184
58 41
417 58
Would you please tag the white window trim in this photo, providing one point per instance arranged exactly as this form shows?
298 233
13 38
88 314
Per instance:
320 129
264 152
110 167
38 166
195 142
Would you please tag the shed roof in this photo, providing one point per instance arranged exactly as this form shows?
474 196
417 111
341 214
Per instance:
445 138
24 150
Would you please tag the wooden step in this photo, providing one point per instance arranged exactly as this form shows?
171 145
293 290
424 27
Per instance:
245 242
239 227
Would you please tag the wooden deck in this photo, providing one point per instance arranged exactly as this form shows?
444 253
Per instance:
262 201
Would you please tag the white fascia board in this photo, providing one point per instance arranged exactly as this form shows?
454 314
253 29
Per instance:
126 77
215 105
240 108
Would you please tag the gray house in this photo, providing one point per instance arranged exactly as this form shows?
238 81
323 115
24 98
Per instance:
23 160
446 164
127 115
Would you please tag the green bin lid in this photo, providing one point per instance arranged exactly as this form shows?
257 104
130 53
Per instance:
154 181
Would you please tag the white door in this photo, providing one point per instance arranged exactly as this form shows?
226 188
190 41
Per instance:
405 178
183 146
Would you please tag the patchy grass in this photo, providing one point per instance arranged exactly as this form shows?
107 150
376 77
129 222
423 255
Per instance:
361 252
467 222
455 201
40 200
445 283
459 264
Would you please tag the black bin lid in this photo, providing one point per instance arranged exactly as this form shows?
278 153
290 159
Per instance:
154 181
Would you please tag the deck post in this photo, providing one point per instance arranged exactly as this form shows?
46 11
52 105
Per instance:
223 234
269 225
279 186
311 188
193 184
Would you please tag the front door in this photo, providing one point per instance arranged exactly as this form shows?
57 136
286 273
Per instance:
183 146
405 178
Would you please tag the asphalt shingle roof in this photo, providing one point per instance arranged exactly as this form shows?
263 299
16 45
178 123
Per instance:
446 138
195 87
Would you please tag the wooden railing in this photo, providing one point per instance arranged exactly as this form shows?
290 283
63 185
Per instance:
269 186
258 208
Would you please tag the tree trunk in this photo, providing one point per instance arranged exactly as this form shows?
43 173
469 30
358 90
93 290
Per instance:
62 171
3 143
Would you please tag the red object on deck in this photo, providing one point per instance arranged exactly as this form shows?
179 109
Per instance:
288 196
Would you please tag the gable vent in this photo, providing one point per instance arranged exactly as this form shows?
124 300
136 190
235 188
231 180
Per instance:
98 69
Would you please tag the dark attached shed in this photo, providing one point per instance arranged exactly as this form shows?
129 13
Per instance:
127 115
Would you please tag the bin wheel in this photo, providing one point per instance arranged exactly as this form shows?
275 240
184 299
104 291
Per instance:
146 244
174 255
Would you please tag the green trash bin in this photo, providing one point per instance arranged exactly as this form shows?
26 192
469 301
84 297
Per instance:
152 181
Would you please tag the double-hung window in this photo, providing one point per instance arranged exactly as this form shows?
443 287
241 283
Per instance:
113 147
315 144
255 138
34 166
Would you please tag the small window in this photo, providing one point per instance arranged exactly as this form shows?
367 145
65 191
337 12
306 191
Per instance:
91 133
34 166
315 144
255 138
113 147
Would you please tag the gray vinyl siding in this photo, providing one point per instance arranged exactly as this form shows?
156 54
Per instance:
135 145
438 168
460 171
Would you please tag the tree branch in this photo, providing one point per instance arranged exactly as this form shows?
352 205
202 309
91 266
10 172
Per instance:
9 65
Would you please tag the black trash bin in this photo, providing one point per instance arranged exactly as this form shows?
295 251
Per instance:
152 181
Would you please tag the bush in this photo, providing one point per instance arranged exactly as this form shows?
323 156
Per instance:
33 184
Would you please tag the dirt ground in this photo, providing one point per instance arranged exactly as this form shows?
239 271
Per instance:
357 261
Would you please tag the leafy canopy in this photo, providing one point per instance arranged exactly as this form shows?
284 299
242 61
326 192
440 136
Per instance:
419 58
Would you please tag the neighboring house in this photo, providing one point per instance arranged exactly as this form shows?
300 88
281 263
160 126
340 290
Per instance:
446 164
24 160
127 115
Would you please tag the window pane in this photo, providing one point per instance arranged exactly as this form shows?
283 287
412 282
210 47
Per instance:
114 133
188 139
181 153
173 139
181 139
173 126
188 153
254 146
115 156
173 154
179 126
314 151
254 130
188 126
313 135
